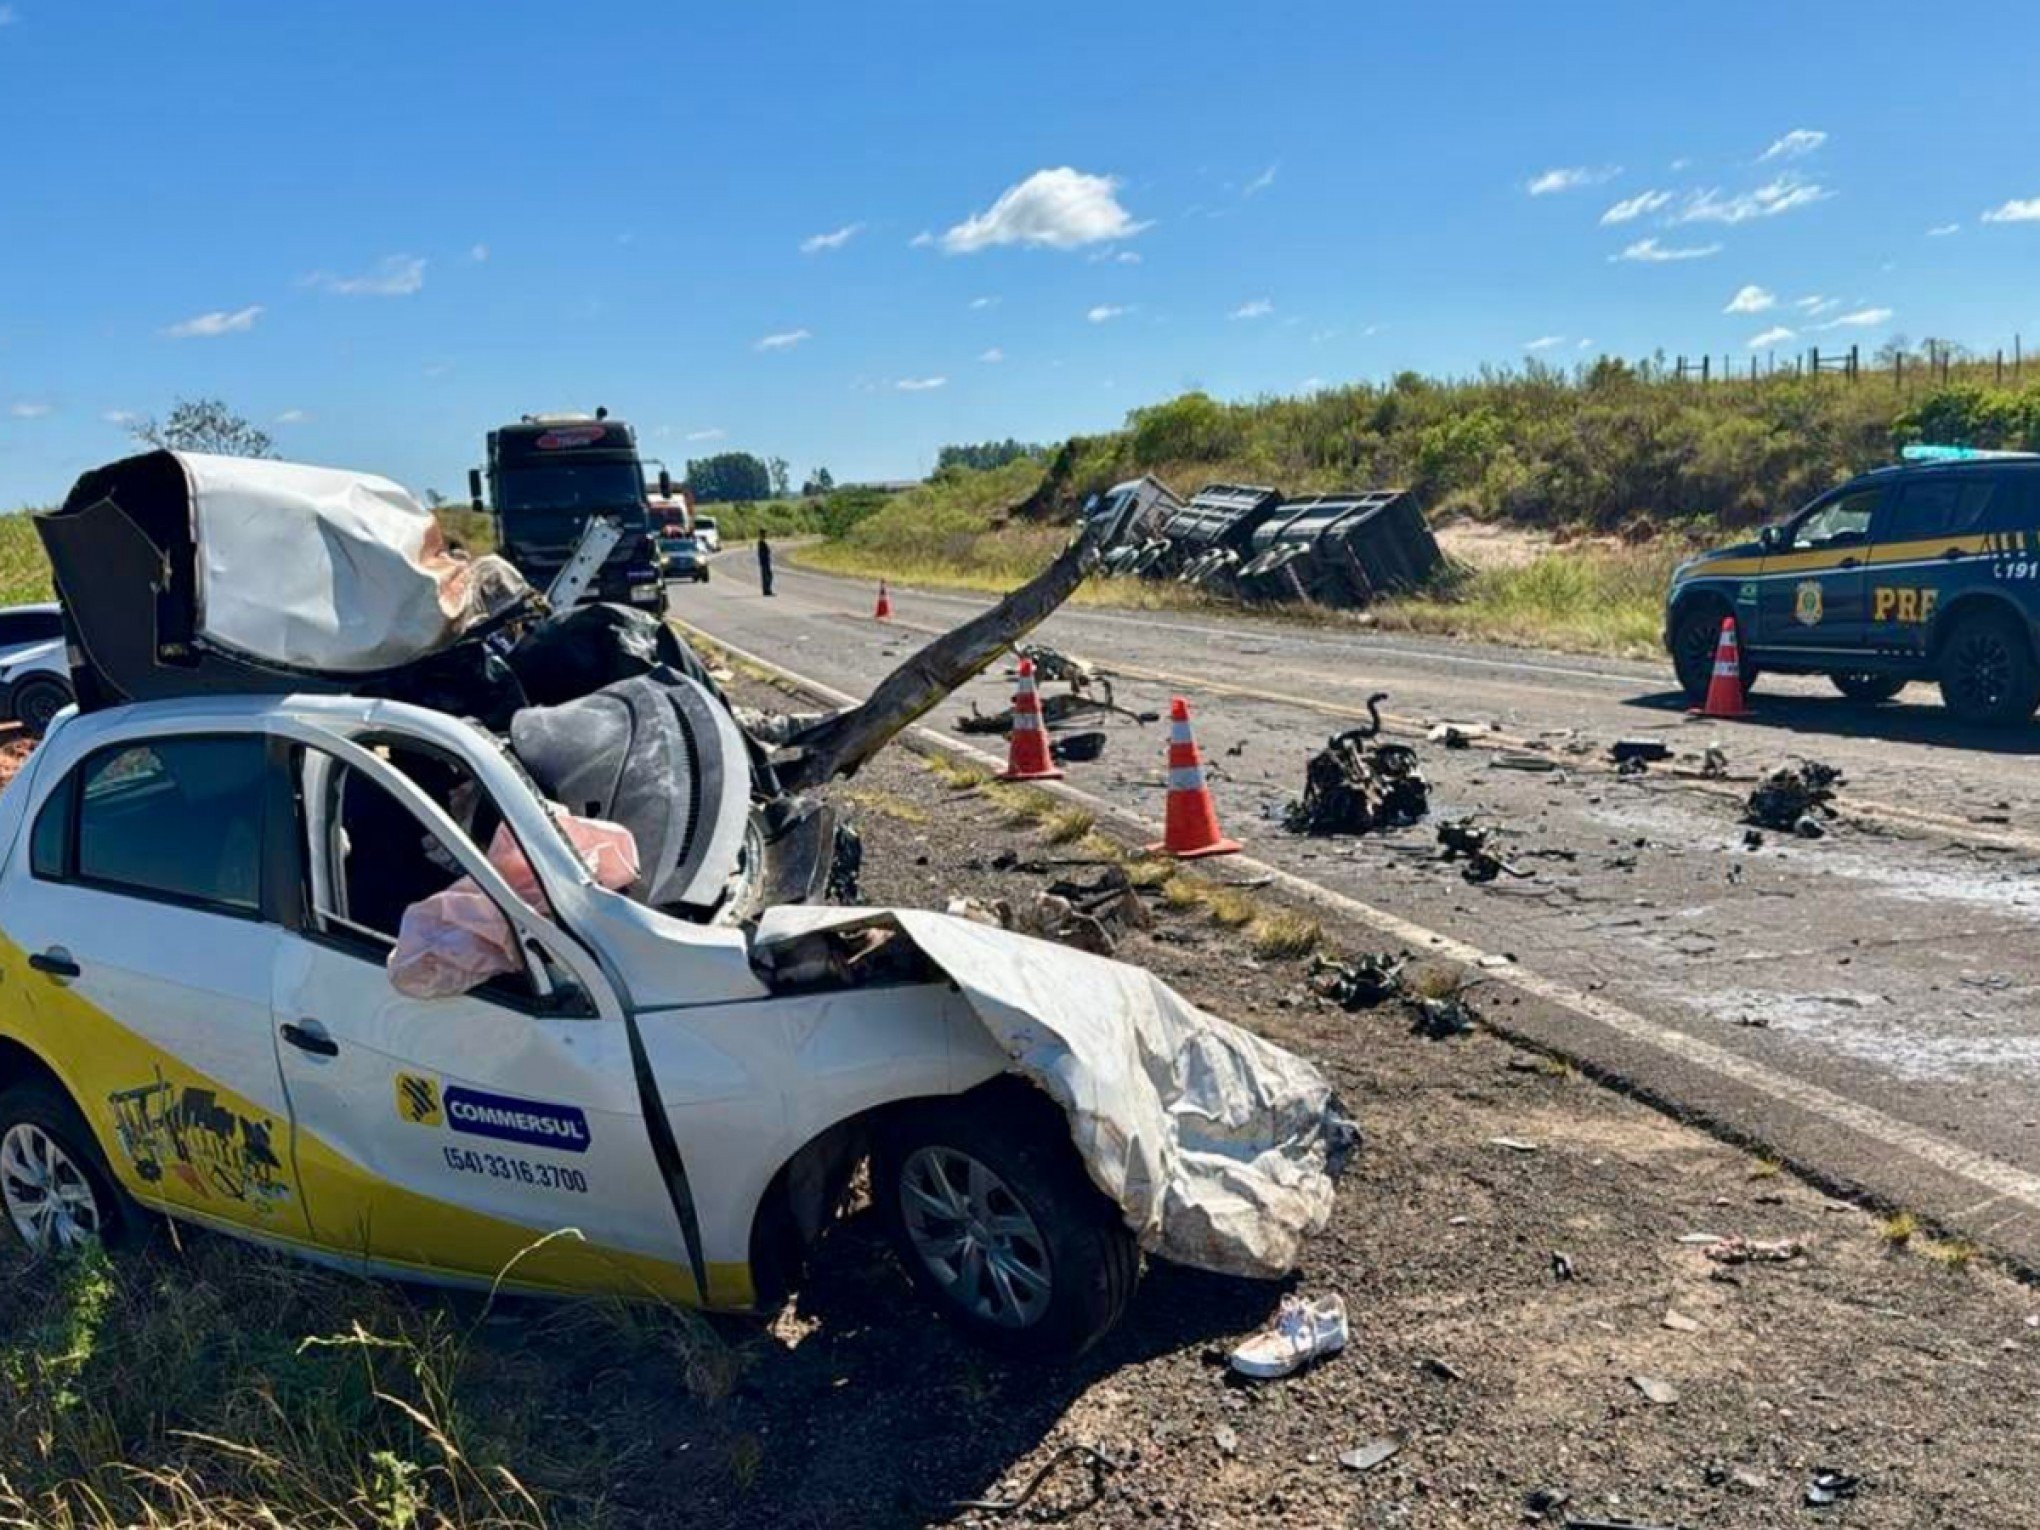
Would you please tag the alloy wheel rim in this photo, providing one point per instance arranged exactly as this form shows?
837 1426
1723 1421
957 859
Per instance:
975 1236
41 711
47 1195
1986 669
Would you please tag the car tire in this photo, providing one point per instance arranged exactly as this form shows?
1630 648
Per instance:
1057 1264
1987 672
48 1156
1870 690
37 701
1695 637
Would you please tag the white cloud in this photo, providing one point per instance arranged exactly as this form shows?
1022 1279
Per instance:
1263 181
1584 345
814 244
706 433
984 302
1859 318
120 417
921 241
2017 210
1782 195
219 322
29 409
992 355
920 384
1650 250
1571 178
393 276
1060 209
1635 207
478 253
1310 385
1751 299
1770 337
1256 308
1104 312
293 417
1543 342
785 340
1128 257
1794 145
1816 305
1943 230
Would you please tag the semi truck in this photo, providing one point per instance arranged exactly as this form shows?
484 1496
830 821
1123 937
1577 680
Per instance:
548 476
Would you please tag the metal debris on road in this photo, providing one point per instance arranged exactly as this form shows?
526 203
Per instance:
1464 839
1053 666
1369 979
1356 786
1659 1393
1513 1144
1440 1019
1741 1250
1829 1486
1795 799
1088 916
1077 748
1562 1267
1370 1455
1098 1462
1644 751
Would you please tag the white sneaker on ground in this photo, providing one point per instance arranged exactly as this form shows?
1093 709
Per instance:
1303 1330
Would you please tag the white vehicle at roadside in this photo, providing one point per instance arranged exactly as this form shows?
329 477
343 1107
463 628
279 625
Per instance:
35 685
708 534
339 974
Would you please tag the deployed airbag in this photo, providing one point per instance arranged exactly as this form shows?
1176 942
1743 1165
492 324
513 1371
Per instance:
1219 1148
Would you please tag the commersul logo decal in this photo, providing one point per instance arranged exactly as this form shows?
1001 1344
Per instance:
505 1117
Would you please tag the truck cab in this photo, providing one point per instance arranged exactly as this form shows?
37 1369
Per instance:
548 475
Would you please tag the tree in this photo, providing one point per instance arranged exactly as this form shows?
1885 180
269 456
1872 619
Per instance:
204 425
986 454
779 475
434 499
819 483
728 477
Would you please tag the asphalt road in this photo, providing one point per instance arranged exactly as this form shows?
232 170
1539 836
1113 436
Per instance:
1867 1004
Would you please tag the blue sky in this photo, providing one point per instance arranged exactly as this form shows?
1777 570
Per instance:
377 229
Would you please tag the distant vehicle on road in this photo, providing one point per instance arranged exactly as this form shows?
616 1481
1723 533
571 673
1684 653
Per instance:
708 533
548 475
1925 570
680 557
35 684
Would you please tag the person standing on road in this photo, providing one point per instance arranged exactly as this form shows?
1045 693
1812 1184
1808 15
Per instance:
764 563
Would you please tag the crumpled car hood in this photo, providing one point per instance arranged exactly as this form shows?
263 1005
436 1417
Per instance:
1219 1148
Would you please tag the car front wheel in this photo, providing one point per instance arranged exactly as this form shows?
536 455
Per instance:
990 1211
37 703
1695 639
54 1186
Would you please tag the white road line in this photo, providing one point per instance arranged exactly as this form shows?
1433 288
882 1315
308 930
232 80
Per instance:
1999 1179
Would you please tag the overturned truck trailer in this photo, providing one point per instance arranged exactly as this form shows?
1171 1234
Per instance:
1340 549
1212 535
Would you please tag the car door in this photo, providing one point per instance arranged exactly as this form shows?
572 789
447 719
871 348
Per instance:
1932 543
1811 594
146 916
492 1133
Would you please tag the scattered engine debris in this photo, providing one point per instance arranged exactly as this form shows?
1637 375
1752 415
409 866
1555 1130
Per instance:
1090 916
1463 839
1441 1018
1356 786
1077 748
1369 979
1795 799
1062 710
1053 666
1643 751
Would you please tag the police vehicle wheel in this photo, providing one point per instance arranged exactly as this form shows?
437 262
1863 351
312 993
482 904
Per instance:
1870 689
1694 641
37 703
1987 671
992 1215
55 1188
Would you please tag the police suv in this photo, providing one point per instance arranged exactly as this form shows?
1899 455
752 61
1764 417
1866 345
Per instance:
1925 570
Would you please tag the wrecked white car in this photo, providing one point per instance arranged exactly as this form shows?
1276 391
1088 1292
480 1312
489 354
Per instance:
336 937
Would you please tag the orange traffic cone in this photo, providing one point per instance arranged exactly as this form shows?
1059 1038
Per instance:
884 611
1027 747
1190 827
1724 690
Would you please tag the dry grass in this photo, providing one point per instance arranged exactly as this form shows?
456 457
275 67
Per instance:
1066 824
1280 936
1899 1230
888 805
